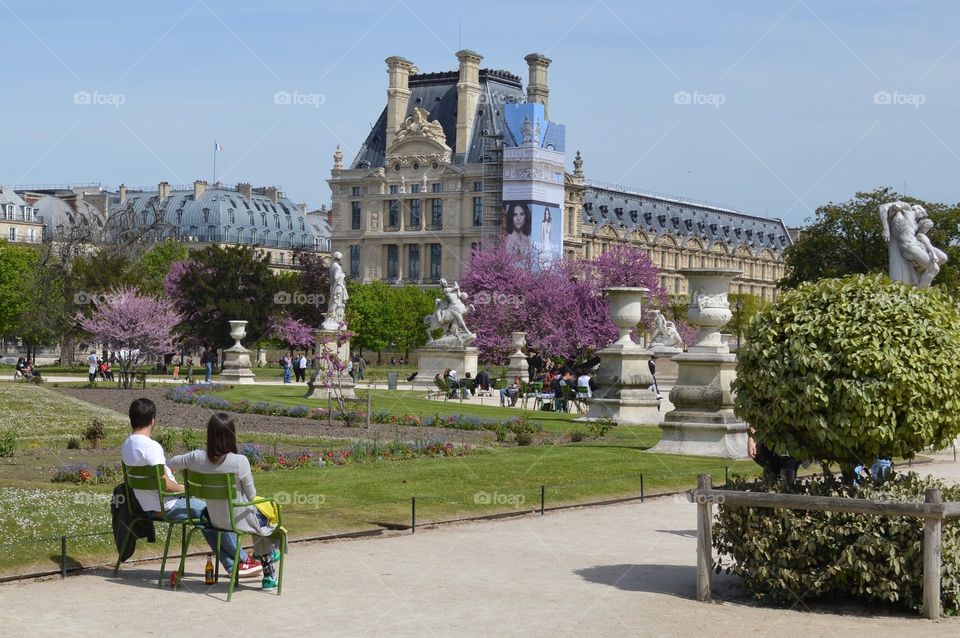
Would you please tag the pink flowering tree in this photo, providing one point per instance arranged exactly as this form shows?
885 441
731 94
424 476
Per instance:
293 332
132 325
561 306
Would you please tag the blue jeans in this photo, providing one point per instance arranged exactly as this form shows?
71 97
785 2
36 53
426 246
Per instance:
228 540
286 374
208 371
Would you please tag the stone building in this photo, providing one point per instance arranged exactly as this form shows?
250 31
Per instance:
196 214
427 185
18 219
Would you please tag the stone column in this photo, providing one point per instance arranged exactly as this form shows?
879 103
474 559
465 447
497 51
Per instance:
317 387
236 366
518 360
623 379
702 422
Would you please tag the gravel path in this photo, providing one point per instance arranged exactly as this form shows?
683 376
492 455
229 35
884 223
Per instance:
170 413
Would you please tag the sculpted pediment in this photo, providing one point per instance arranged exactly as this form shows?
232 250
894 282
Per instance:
419 140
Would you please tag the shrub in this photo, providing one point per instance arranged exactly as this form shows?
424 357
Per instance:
192 439
785 556
166 437
576 436
600 427
523 430
73 443
852 369
501 432
95 432
8 443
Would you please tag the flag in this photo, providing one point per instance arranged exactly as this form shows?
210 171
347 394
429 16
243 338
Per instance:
217 147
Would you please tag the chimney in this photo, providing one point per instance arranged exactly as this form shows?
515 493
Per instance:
245 189
199 186
163 190
398 94
537 90
468 92
123 193
271 192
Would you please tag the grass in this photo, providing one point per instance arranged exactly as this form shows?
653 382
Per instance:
35 512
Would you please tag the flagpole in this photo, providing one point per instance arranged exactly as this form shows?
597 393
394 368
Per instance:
214 162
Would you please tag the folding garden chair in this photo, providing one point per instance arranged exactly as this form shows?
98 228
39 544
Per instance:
149 478
223 487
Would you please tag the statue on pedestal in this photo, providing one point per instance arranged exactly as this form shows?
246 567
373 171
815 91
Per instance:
337 303
448 317
913 259
665 333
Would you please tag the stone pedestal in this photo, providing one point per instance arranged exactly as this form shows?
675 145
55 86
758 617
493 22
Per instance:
318 386
623 378
702 422
236 365
518 361
433 360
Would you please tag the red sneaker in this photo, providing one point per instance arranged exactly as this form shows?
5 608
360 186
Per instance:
249 568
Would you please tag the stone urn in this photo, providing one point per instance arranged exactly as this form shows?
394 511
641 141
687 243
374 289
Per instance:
625 310
519 340
238 330
709 308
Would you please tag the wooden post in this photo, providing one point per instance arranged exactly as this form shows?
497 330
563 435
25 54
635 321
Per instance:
704 540
932 528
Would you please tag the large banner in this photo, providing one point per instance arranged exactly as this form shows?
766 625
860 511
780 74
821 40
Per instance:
533 173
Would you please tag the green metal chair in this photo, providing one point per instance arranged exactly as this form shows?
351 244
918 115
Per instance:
583 396
223 487
150 479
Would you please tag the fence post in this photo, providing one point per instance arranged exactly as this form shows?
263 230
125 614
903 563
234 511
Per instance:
369 404
413 514
641 488
543 496
63 556
932 528
704 540
726 475
329 409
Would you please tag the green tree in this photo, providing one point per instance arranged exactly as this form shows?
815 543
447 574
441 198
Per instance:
848 370
744 307
17 264
218 285
370 316
410 305
151 268
847 238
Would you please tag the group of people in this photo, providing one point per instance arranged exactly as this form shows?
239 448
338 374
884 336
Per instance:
356 366
25 369
295 365
220 456
98 368
552 389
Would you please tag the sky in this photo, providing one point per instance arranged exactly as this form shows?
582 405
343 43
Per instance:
770 107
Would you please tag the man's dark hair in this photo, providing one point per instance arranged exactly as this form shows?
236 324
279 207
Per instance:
221 437
142 412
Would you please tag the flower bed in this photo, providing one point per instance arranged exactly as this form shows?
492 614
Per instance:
262 458
200 395
84 473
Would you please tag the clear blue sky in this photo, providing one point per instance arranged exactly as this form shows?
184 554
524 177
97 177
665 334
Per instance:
799 123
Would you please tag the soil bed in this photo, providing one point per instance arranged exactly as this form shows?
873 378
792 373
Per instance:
172 414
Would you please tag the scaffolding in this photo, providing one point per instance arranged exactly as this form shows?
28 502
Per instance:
492 157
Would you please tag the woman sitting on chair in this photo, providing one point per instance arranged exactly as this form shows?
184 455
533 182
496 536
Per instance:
222 457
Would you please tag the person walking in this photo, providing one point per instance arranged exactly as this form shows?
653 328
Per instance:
652 364
287 362
92 365
207 359
303 366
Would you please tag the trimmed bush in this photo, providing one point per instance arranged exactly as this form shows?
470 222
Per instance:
852 369
786 556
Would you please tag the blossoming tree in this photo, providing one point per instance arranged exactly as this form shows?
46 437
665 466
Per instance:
132 325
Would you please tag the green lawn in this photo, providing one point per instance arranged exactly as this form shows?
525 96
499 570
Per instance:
361 496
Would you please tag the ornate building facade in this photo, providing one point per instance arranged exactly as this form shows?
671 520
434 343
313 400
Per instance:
427 186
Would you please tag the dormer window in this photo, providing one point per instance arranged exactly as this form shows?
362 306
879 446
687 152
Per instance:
301 224
688 223
180 216
276 218
619 212
634 216
230 212
662 219
206 215
713 228
675 221
647 216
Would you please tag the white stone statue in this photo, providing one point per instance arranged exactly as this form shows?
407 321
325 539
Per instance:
337 303
526 131
913 259
449 317
665 333
418 125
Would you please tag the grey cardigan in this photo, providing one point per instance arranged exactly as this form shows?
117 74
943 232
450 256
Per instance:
238 465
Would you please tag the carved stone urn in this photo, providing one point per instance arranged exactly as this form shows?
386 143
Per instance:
238 330
709 308
625 311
